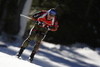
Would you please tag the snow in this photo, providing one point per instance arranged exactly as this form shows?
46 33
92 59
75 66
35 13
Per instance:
11 61
50 55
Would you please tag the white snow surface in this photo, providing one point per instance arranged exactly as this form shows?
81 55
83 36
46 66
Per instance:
50 55
11 61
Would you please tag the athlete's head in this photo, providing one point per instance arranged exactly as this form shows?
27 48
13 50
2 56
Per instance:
51 14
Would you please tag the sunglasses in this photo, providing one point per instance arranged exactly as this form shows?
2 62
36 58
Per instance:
51 14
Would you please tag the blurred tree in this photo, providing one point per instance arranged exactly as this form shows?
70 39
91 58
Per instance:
10 15
78 21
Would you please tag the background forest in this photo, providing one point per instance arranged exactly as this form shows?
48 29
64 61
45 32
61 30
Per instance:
79 20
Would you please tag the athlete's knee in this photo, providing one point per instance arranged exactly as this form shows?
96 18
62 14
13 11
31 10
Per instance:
38 43
26 42
36 46
33 30
27 39
41 36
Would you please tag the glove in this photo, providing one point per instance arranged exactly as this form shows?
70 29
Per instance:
47 27
36 22
39 23
52 27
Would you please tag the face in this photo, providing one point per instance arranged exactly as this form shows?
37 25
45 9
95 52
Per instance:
49 17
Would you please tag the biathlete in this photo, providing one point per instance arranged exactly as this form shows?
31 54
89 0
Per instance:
44 21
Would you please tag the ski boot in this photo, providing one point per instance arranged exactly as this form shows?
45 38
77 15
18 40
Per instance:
20 52
31 57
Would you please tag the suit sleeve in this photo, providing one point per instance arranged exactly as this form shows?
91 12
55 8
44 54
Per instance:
55 26
35 16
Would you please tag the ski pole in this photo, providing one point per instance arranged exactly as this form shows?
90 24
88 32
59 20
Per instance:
25 16
57 5
29 17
